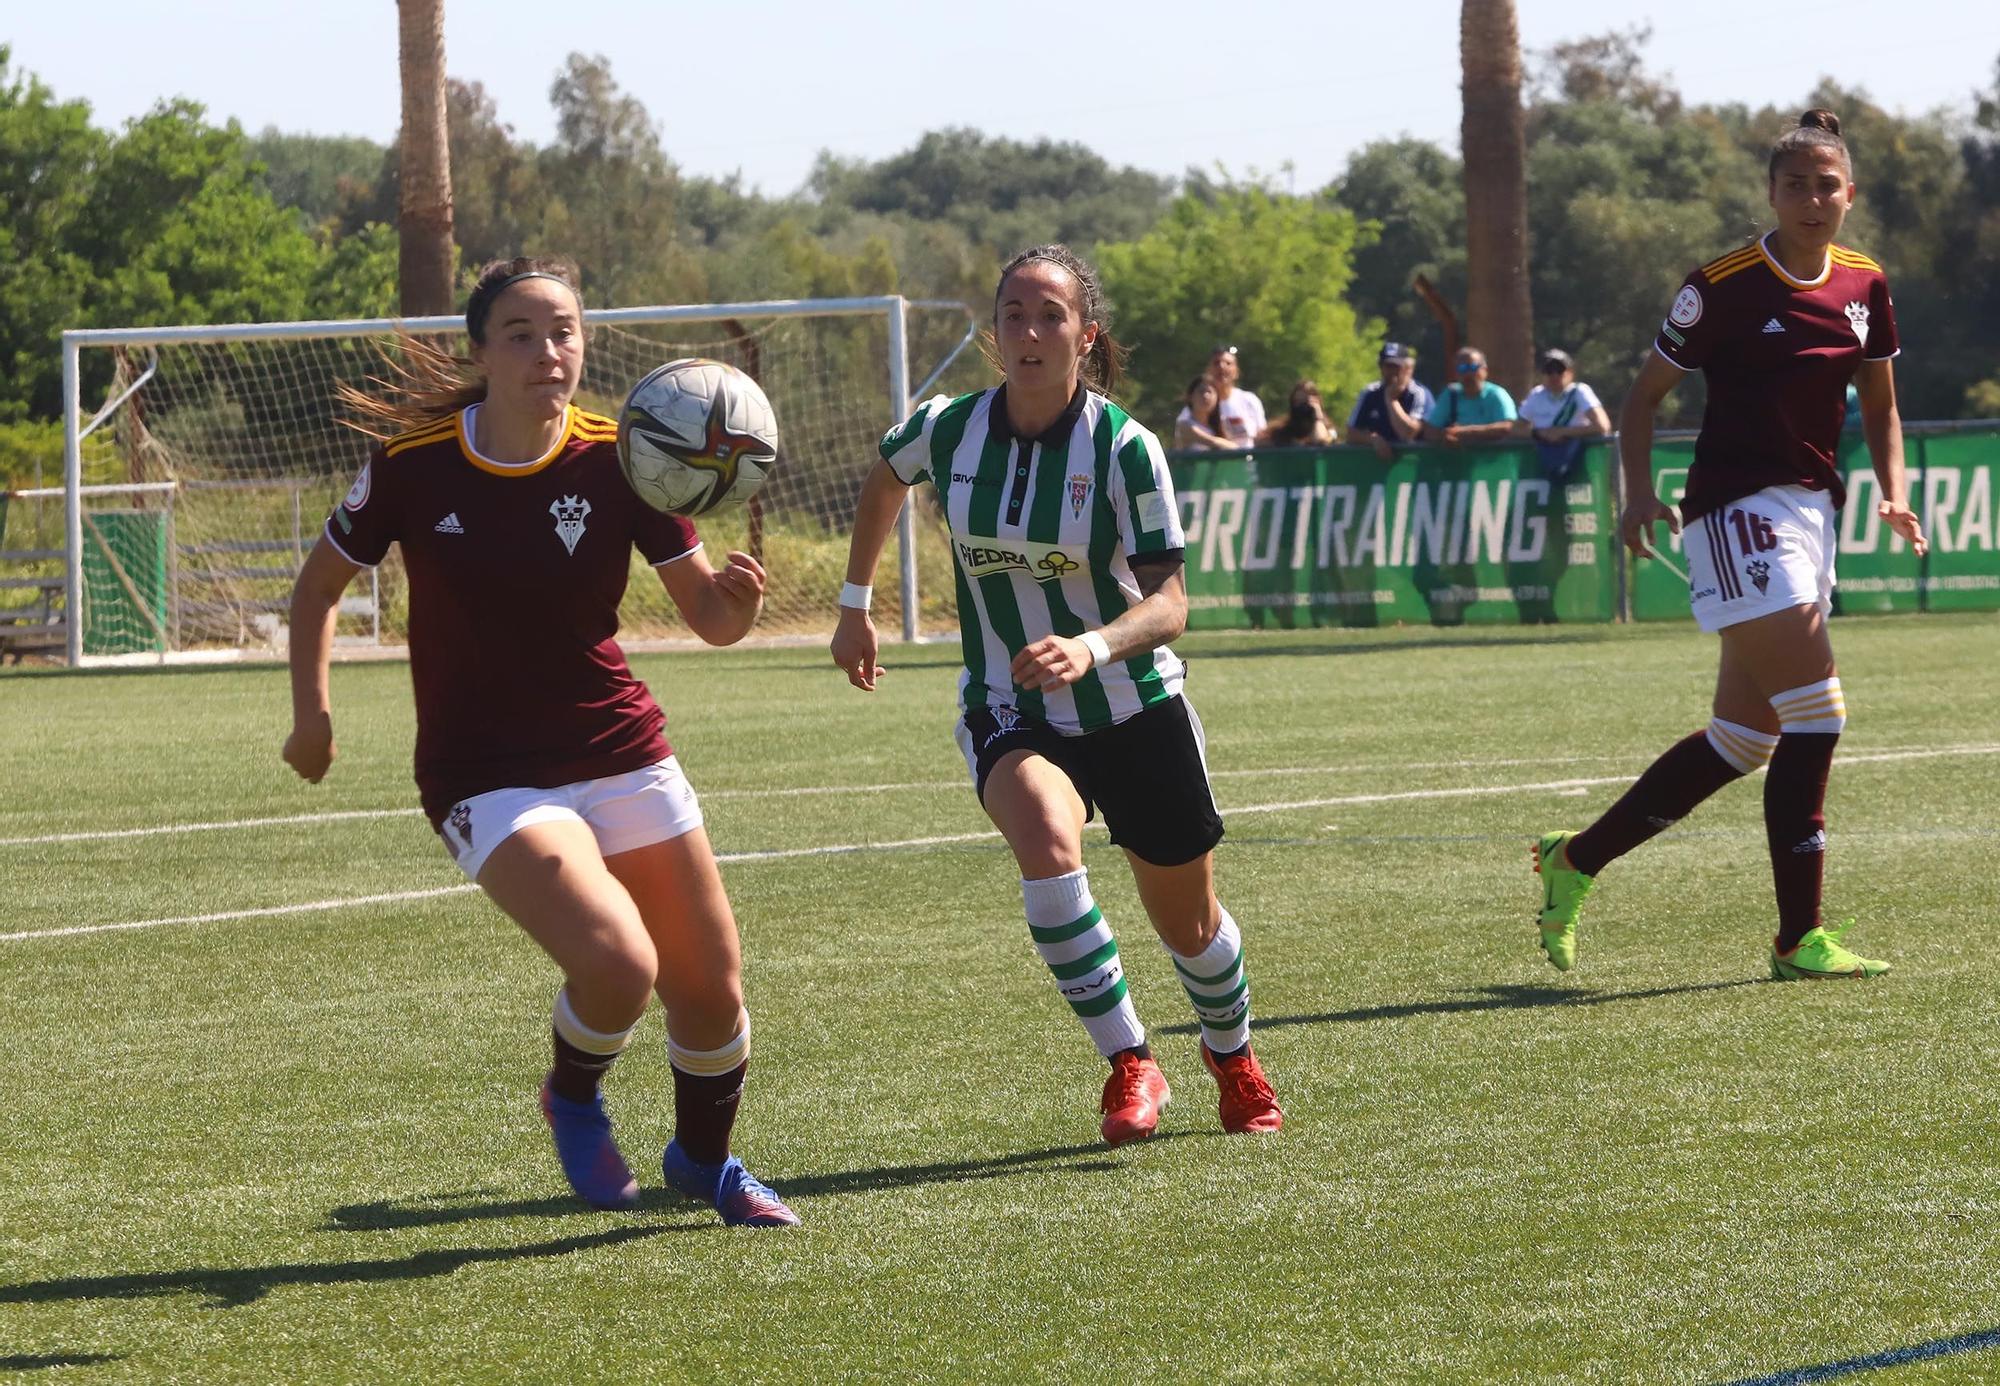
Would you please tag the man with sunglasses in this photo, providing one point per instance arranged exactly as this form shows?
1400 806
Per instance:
1243 420
1472 408
1560 414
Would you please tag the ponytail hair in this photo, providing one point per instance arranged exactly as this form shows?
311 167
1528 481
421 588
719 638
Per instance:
423 383
1817 129
1104 365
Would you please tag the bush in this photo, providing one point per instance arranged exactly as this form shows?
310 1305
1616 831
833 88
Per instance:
31 454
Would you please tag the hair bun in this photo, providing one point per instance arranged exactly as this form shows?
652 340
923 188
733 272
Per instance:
1820 120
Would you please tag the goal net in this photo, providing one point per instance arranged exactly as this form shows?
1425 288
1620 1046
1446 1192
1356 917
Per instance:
215 455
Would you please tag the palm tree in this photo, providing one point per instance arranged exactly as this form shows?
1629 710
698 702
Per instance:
428 262
1492 135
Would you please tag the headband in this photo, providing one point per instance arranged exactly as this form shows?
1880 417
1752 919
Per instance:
482 303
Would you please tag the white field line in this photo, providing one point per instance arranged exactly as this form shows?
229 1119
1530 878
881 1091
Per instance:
396 897
310 907
1398 767
1462 791
1563 786
350 815
850 847
107 834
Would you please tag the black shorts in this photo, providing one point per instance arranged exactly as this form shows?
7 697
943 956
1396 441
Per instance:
1147 773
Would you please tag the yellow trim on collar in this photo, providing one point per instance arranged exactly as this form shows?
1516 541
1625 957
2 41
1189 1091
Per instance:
1825 273
519 468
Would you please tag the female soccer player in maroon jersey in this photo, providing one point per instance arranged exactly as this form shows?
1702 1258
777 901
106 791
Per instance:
541 761
1778 328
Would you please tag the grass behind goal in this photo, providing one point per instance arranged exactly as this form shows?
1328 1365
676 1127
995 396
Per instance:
303 1145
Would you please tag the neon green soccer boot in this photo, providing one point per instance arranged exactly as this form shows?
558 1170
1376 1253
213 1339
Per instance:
1563 892
1820 958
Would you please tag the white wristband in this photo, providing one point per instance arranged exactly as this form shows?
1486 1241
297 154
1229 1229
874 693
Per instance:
856 597
1100 652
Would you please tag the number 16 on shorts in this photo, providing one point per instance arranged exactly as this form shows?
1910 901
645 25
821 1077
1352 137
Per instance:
1762 554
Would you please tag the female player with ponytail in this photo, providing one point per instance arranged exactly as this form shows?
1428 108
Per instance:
541 761
1778 328
1067 546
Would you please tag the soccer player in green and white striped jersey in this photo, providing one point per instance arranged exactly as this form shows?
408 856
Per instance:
1067 547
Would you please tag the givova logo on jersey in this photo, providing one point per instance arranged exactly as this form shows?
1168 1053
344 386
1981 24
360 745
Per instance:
1043 562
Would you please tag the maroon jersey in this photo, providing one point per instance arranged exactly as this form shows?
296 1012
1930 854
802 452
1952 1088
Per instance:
515 572
1778 353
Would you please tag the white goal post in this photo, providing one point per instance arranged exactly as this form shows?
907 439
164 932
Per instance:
226 450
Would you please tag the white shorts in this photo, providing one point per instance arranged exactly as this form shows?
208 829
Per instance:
1762 554
625 812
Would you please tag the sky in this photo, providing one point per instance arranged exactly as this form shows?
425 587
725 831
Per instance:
760 87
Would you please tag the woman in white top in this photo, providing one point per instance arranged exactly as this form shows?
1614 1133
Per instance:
1561 407
1559 414
1068 548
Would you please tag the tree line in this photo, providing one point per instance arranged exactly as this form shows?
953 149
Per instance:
174 218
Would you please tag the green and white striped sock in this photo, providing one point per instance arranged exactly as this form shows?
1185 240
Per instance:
1218 988
1081 952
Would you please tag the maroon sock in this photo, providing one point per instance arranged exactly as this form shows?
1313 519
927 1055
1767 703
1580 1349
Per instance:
704 1112
1795 823
1689 772
577 1071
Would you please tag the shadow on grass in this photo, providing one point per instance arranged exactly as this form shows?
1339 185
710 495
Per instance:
390 1214
1500 997
36 1361
1876 1361
230 1286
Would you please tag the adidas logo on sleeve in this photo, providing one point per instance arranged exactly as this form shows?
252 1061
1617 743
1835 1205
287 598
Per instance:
1773 326
449 525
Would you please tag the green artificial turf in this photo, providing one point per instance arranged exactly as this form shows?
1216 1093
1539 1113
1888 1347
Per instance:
303 1145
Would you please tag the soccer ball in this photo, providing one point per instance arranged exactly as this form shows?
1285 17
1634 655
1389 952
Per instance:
696 435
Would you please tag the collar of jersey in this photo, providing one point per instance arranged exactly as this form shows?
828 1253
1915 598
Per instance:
1826 271
487 464
1002 430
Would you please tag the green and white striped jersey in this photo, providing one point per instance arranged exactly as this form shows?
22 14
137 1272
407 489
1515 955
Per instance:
1042 533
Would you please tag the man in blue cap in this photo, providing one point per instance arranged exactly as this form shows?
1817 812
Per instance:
1391 410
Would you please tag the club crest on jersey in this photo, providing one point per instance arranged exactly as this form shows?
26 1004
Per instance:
570 512
1857 313
1760 574
1079 493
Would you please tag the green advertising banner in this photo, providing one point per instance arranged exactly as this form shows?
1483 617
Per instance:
1961 520
1334 537
1951 486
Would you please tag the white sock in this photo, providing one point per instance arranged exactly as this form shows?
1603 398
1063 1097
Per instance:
1220 992
1082 953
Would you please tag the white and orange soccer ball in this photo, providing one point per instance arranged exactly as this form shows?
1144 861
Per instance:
696 435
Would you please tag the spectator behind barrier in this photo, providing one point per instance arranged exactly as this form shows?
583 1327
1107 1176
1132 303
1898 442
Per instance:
1391 410
1472 408
1559 414
1243 420
1305 426
1200 421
